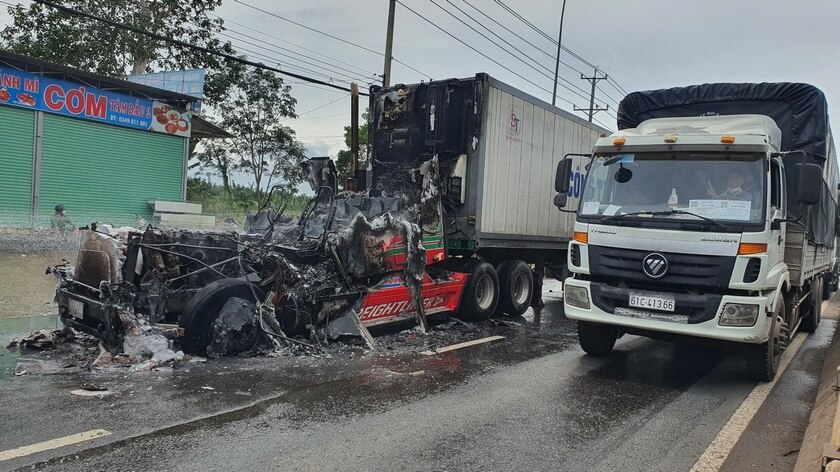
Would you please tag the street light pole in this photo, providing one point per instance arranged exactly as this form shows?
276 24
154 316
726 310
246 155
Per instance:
559 48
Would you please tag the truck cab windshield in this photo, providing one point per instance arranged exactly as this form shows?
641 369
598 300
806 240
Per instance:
682 185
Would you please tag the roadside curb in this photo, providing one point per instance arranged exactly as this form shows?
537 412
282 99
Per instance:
825 415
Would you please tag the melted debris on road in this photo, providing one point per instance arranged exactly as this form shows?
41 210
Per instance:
74 351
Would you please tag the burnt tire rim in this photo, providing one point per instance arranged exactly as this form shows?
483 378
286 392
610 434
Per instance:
521 289
485 292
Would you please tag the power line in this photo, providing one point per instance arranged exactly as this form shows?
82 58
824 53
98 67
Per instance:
318 117
329 35
520 37
476 50
329 67
359 70
596 120
553 41
617 87
333 74
605 93
183 44
306 84
280 64
541 32
581 94
323 106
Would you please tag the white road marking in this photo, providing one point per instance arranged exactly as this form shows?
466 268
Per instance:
53 444
463 345
717 452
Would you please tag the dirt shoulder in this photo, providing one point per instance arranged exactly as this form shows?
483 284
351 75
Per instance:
25 289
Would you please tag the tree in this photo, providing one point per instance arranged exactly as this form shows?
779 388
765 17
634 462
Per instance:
251 112
49 34
215 157
343 160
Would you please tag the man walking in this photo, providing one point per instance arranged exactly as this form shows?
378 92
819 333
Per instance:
60 223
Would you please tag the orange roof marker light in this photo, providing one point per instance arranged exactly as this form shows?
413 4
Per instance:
619 141
671 138
745 249
727 139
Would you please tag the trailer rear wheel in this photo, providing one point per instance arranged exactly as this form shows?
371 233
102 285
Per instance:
763 359
811 321
516 282
596 339
203 309
481 293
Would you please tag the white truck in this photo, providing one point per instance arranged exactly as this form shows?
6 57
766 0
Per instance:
711 213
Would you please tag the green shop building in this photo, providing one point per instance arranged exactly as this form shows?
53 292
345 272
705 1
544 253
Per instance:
103 147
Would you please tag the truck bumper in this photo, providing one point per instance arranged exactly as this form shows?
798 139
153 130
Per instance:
87 314
708 327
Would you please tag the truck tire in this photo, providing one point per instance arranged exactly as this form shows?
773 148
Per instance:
516 282
827 285
763 359
811 321
203 309
481 292
596 339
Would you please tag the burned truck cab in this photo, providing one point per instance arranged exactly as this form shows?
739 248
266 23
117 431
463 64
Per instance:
410 124
497 148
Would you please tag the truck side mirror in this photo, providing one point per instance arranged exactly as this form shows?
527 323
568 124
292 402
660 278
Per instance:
809 184
561 178
560 200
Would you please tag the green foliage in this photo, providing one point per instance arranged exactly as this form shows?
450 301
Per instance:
239 200
344 158
256 103
40 31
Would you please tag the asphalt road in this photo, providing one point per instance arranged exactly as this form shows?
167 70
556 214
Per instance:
531 402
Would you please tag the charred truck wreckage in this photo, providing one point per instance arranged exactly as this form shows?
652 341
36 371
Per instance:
434 232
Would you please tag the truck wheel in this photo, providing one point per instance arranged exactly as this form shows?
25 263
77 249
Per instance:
827 286
812 320
763 359
203 309
516 282
481 293
596 339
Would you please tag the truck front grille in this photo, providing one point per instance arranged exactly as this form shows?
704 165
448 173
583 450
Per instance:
684 270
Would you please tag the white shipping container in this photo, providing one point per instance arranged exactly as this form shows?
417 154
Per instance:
522 140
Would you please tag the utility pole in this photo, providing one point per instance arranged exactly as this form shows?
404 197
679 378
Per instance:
389 44
559 48
592 108
355 181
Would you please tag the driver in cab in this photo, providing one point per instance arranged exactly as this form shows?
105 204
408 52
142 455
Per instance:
734 188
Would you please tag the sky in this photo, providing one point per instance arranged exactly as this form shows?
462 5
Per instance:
640 44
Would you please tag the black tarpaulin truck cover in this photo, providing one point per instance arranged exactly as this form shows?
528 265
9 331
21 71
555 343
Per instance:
799 110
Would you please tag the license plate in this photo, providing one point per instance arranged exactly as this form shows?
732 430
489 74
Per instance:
75 308
650 315
652 303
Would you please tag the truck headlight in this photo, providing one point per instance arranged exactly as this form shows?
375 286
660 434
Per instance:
577 296
737 314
